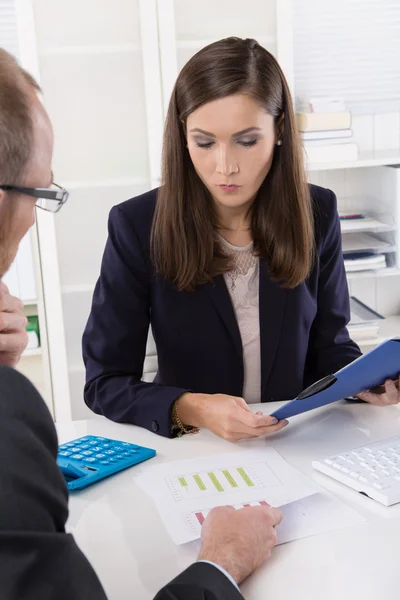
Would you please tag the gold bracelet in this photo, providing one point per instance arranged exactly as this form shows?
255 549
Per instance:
176 420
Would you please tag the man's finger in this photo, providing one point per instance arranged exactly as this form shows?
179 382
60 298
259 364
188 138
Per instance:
277 515
12 321
13 343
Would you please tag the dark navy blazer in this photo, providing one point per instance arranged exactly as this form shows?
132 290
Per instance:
303 330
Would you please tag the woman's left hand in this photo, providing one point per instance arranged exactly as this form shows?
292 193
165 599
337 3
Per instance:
385 395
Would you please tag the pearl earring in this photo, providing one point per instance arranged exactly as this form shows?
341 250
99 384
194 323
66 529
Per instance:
279 143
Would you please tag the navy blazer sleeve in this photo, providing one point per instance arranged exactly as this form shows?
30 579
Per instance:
200 581
330 347
114 341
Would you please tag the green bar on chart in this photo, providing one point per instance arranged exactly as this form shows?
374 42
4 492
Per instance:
230 479
199 482
182 481
245 477
215 481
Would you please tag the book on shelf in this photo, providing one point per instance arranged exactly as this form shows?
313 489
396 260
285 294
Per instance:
364 322
326 134
328 121
362 261
321 104
332 152
363 242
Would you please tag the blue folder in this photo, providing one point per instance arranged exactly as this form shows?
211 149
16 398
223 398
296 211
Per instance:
366 372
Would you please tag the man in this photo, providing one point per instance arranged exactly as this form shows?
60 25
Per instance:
37 558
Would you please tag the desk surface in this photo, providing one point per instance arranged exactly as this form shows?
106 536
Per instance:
119 529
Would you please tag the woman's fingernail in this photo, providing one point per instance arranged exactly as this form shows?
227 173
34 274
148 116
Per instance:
274 420
285 422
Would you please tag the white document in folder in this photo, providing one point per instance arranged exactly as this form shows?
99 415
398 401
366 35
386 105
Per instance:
185 491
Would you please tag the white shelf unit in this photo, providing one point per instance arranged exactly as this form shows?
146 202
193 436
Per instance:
107 81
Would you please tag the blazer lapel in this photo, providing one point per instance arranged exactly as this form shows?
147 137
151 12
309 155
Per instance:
272 303
219 294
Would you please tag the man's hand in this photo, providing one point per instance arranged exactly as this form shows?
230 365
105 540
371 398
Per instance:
13 336
239 541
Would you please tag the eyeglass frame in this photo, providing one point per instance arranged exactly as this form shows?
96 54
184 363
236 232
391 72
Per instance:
61 195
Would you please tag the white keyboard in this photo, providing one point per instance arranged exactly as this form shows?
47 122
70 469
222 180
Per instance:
373 470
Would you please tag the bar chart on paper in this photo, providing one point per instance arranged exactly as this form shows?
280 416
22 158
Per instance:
195 520
186 490
222 480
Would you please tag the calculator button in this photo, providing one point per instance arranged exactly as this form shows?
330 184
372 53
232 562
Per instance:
100 456
106 445
97 448
126 453
85 446
110 452
75 449
100 439
90 459
87 452
78 456
119 456
93 443
117 448
64 454
104 462
112 460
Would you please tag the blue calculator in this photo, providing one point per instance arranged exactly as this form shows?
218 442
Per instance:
88 459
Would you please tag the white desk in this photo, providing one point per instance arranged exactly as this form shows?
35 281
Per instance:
119 530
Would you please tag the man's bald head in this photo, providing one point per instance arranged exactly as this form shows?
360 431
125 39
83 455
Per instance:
16 127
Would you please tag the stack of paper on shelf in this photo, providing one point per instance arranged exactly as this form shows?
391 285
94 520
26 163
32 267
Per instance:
364 322
364 262
354 221
364 251
363 242
325 128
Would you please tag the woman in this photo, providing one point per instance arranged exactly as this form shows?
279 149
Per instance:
234 261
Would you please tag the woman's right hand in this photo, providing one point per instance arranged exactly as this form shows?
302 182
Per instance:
227 416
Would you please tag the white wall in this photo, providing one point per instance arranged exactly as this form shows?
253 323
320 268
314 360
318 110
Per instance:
91 73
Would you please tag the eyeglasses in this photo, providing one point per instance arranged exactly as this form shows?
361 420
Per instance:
50 199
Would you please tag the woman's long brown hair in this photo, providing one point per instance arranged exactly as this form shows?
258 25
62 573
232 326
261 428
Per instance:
184 245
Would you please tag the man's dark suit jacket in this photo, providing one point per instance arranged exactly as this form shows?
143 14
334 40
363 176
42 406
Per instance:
303 331
38 560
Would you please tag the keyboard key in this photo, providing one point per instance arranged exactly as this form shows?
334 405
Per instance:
345 470
328 461
354 474
363 479
381 485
